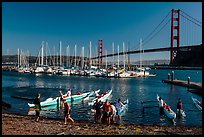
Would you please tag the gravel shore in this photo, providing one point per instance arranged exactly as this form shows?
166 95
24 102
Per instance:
13 124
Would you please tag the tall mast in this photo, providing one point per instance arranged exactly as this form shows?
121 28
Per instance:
113 53
118 57
57 59
42 54
54 56
90 54
60 53
82 57
75 56
67 55
28 58
18 57
106 59
124 54
46 53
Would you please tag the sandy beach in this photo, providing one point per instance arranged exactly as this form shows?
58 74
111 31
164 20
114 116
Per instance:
15 124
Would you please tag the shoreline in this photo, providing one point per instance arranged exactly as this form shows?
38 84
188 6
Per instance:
16 124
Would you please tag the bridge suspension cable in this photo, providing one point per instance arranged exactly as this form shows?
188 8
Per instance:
191 19
150 36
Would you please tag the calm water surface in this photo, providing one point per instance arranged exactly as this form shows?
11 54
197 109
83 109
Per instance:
135 89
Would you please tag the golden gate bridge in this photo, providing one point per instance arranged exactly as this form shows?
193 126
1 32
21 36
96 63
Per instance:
175 36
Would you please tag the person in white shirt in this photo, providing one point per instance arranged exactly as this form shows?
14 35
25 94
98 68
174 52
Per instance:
161 105
69 93
119 106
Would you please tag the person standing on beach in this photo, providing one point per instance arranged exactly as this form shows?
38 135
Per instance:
98 114
67 110
107 111
37 106
179 106
119 106
61 99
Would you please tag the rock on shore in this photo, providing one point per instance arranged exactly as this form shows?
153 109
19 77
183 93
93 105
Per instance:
13 124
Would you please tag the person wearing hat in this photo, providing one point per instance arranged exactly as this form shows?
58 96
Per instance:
67 110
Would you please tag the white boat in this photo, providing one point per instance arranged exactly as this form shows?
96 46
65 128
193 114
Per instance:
39 70
124 75
102 98
169 112
197 103
182 113
91 94
50 71
52 101
141 71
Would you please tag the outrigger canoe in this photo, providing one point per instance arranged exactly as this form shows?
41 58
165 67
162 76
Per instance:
101 98
91 94
51 101
182 113
197 103
169 112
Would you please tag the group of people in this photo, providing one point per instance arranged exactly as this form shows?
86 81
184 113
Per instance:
163 105
107 111
63 105
103 111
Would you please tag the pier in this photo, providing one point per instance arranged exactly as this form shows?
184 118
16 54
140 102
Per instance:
183 83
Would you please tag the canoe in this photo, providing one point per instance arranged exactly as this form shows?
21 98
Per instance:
123 110
51 101
47 102
169 113
102 99
91 94
181 114
197 103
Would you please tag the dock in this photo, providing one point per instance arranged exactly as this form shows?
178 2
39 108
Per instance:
192 85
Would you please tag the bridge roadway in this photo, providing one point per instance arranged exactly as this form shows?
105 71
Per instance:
149 50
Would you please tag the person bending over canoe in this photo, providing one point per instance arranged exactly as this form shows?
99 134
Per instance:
37 106
161 105
98 114
107 111
67 110
119 106
114 113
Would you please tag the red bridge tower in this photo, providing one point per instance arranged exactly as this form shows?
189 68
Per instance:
175 25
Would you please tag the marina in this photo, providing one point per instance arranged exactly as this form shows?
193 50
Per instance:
137 90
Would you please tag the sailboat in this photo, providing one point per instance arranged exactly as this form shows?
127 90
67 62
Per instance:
141 71
40 69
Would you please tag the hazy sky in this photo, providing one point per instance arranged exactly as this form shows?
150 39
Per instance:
26 24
